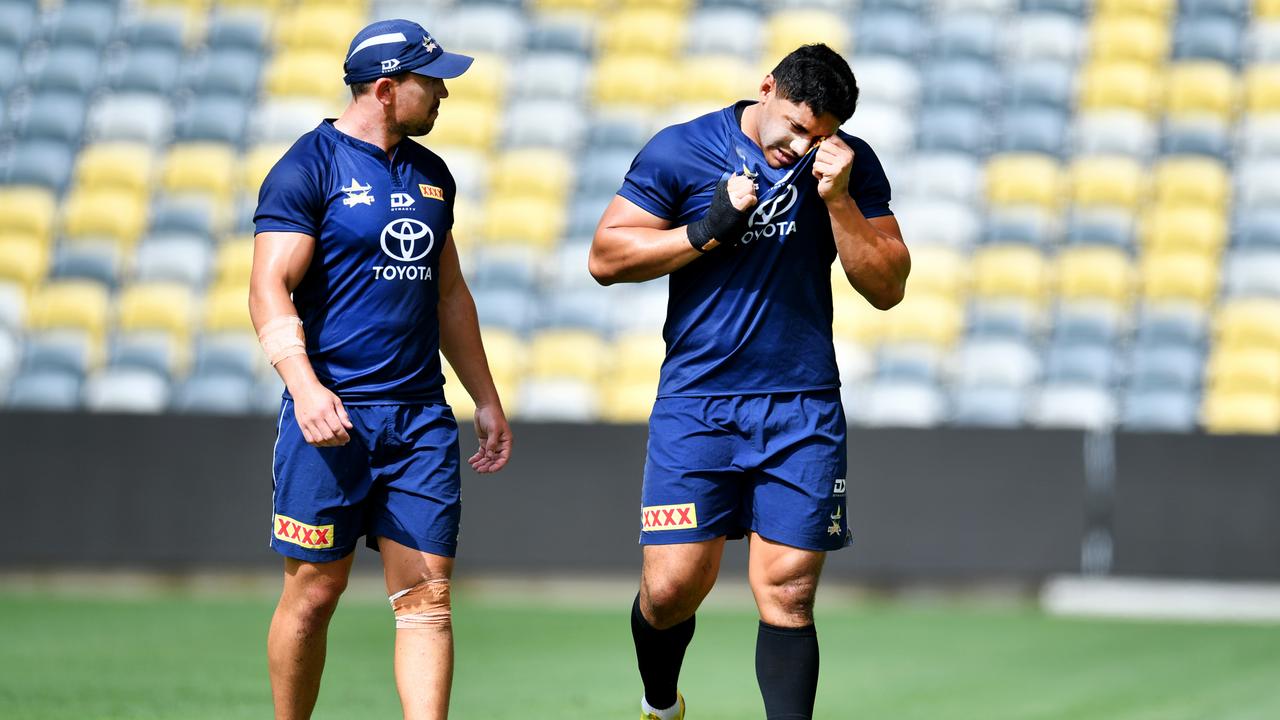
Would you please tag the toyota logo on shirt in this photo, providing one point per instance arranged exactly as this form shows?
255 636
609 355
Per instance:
407 235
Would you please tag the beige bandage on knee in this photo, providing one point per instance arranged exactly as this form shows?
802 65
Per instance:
282 337
425 605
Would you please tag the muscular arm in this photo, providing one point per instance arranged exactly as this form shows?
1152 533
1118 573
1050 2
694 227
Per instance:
872 254
280 260
461 344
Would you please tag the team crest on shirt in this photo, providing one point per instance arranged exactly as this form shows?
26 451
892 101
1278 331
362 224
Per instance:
357 194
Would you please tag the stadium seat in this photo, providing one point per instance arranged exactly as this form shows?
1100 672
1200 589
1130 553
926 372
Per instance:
95 260
1128 38
233 261
1208 37
90 25
13 305
1262 41
228 353
217 119
27 211
188 215
996 362
1260 135
1165 367
1252 273
72 69
167 307
1094 272
908 362
1016 271
240 30
1184 227
993 407
1033 130
1159 10
1244 370
115 165
24 259
199 167
889 129
1257 183
506 267
787 30
1108 181
44 390
215 395
156 351
41 163
1119 85
639 359
1258 229
954 128
523 219
926 319
1235 9
1101 225
899 404
1044 36
888 79
575 354
156 30
325 29
1179 276
10 70
938 271
128 390
117 215
1192 181
1200 86
1018 178
951 176
1073 406
731 31
131 117
299 73
1172 323
601 172
17 21
1004 319
70 304
556 32
226 309
533 172
1248 322
967 35
558 400
1080 364
148 70
1089 321
642 31
960 82
1196 135
58 116
550 76
284 120
1021 224
937 222
1159 411
897 34
715 79
627 402
68 350
644 309
1241 413
632 80
228 71
1262 87
1115 132
486 28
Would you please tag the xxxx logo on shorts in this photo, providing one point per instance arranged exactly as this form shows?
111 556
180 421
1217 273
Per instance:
315 537
669 517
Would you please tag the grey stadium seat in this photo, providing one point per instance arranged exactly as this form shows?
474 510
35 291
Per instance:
558 400
469 167
215 395
1073 406
1101 226
937 222
131 116
1235 9
284 119
953 176
511 268
152 351
1160 411
53 116
1041 36
617 131
888 128
1089 321
44 390
10 352
1122 132
267 396
1262 43
148 70
185 260
505 308
1171 323
71 69
544 123
86 24
899 34
908 362
1002 407
997 361
227 71
967 36
87 260
13 305
1066 7
885 78
1004 319
585 307
217 118
561 34
1037 129
41 162
1253 272
586 210
1208 38
129 390
1203 135
223 353
897 404
484 28
964 82
17 21
550 76
912 6
1258 183
1039 82
1165 367
10 71
183 215
238 30
729 31
1259 228
1080 363
1027 224
154 31
1259 135
67 351
956 128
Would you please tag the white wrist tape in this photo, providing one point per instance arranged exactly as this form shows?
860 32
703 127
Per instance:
282 338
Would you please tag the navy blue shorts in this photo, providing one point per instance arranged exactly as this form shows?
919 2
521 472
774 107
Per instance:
397 478
770 464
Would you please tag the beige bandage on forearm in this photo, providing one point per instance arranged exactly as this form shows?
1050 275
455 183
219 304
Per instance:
425 605
282 337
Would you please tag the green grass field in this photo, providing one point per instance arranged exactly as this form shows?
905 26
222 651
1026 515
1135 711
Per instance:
196 659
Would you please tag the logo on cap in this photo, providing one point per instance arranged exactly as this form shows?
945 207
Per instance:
428 43
390 65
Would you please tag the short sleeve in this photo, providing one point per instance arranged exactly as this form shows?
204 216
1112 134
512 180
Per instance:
290 199
653 182
868 184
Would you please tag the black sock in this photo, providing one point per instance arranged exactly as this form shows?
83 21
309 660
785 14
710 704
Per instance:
659 653
787 670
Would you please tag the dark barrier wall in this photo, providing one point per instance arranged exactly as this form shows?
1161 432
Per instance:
182 493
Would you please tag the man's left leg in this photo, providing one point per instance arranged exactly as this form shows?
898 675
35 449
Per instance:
784 581
418 584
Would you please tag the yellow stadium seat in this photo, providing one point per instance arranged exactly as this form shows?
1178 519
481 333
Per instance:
1201 87
506 353
234 261
226 308
930 319
1234 370
1193 180
326 28
643 31
937 271
537 172
468 226
627 402
1107 180
633 80
115 165
574 354
485 81
1155 9
544 6
27 210
469 123
523 219
1185 227
853 317
1262 88
787 30
305 73
1024 178
199 167
1009 271
680 6
1179 276
1249 323
70 305
1266 9
1129 38
168 307
639 358
1119 85
719 79
111 214
257 162
1241 413
1094 272
24 259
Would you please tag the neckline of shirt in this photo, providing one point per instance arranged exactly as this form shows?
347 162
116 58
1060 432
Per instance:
328 128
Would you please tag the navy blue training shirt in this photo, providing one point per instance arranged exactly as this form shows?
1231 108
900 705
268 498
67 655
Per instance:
756 318
368 299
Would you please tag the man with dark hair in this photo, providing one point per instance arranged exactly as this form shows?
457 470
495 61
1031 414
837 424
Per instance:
746 209
356 290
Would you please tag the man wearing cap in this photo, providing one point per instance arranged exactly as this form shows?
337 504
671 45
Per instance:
355 292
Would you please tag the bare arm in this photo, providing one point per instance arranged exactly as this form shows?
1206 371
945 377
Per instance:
280 260
461 344
872 254
633 245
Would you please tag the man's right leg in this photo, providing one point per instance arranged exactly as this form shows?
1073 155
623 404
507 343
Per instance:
675 580
299 628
